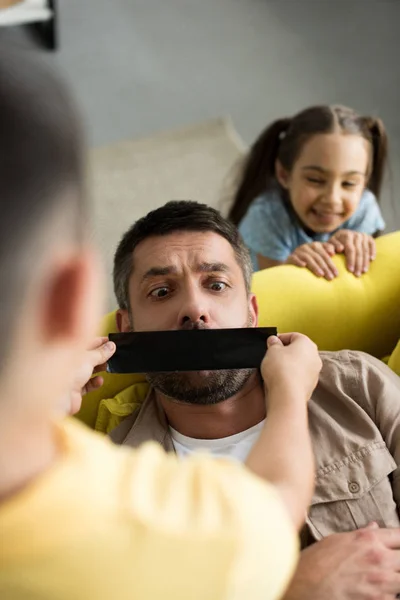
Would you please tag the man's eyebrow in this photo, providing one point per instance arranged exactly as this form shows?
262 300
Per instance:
322 170
203 267
158 272
218 267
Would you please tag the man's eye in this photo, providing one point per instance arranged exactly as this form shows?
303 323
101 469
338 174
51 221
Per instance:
218 286
159 292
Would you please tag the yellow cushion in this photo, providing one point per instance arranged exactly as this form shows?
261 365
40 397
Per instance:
357 313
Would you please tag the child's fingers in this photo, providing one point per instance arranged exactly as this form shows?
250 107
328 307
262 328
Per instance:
361 260
332 270
317 265
339 246
97 342
316 258
358 257
273 340
303 257
350 254
93 384
295 260
96 382
330 248
289 338
372 248
324 262
311 262
366 253
100 355
329 268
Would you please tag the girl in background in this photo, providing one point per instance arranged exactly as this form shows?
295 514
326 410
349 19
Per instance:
310 189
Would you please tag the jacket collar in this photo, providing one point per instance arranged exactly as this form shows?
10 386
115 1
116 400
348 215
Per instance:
147 423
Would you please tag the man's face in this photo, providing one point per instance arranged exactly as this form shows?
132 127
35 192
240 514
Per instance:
189 280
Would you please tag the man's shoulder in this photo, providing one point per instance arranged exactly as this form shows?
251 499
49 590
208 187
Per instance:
352 376
351 363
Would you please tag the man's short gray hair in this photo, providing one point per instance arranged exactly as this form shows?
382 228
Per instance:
175 216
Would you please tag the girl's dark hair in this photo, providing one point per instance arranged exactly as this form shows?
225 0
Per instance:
284 139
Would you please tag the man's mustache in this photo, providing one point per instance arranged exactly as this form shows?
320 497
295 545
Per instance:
192 325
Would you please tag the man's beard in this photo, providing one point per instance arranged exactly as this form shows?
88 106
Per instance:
203 387
200 387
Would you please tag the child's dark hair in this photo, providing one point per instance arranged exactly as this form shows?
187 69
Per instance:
284 139
41 174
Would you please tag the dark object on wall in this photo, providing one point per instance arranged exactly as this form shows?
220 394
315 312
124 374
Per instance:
41 20
47 31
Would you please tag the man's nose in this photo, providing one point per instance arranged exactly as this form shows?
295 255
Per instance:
193 311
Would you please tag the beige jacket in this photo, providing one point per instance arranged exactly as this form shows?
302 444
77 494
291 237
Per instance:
354 418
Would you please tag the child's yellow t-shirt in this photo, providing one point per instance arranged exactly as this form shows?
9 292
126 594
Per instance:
107 523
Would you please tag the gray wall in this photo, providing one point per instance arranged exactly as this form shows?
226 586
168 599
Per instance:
139 66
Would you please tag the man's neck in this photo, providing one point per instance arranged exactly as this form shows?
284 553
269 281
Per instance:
215 421
25 453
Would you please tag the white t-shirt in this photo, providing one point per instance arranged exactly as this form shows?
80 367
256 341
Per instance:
235 446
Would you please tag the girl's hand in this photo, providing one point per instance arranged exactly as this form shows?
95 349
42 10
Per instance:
358 248
316 256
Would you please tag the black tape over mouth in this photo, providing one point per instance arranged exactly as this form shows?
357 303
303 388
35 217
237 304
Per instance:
194 350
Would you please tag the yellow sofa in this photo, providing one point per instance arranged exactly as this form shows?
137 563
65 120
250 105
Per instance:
357 313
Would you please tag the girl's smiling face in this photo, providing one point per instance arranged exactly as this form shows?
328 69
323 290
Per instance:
327 180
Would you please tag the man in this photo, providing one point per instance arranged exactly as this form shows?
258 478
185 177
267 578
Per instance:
80 518
184 267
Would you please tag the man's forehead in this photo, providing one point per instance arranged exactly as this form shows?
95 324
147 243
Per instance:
189 247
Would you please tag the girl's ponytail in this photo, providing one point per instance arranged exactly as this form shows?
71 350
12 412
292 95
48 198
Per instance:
379 141
258 168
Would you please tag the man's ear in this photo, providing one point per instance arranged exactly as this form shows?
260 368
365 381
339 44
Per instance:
281 174
253 311
71 307
123 321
